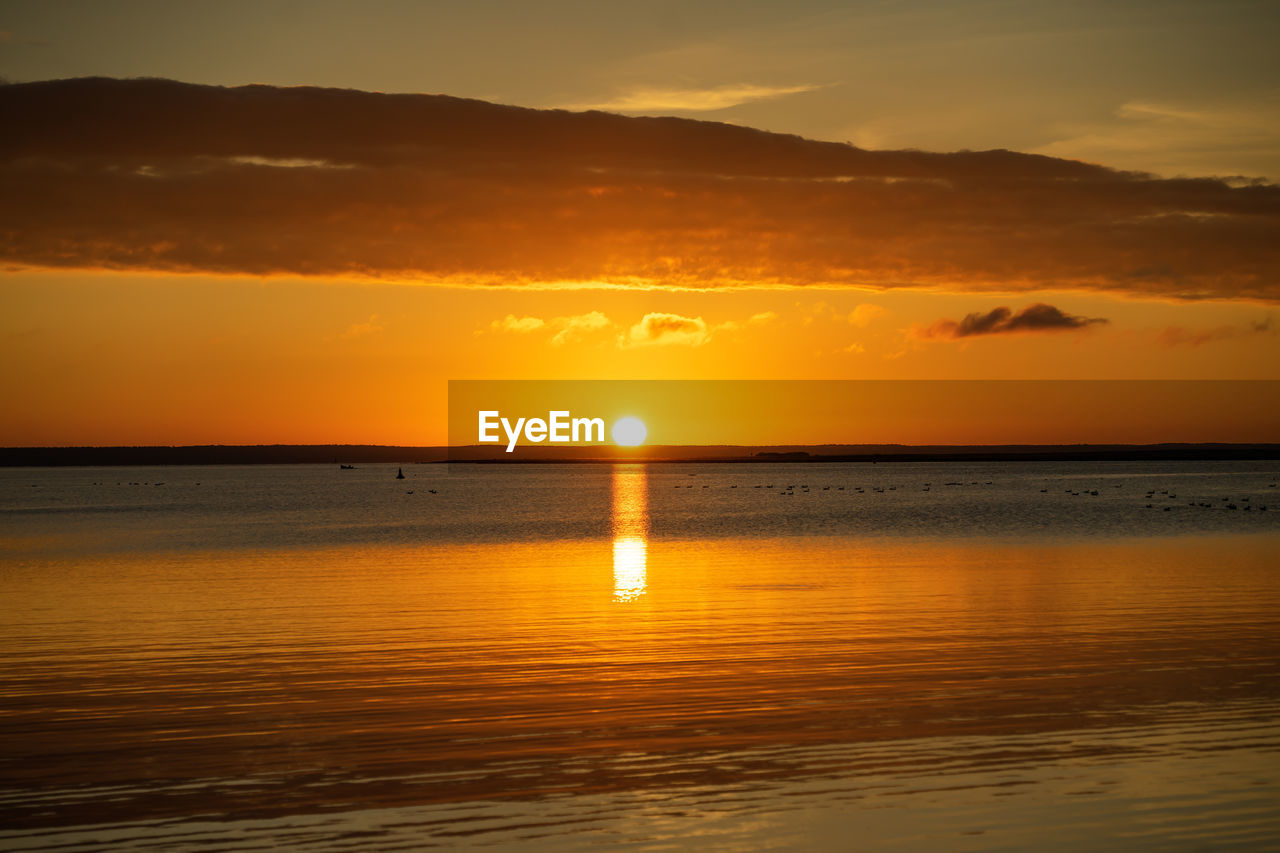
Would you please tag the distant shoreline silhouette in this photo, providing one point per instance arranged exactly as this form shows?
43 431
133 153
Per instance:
327 454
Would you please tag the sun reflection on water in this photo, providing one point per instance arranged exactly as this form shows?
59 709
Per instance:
630 531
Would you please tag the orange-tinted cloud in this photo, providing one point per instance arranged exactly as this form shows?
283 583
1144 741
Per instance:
650 98
656 328
570 329
565 329
372 326
157 175
520 325
1175 336
865 314
998 321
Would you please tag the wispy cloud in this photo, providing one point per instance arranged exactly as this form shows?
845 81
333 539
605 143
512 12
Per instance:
519 325
654 328
575 328
863 315
1178 336
763 318
564 330
1177 138
645 99
359 330
999 321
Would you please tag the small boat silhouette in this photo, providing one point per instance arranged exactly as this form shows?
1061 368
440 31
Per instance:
347 467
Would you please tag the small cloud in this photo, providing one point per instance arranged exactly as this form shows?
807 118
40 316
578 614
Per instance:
667 329
566 329
854 347
864 314
816 311
576 327
519 325
359 330
761 319
1034 318
650 99
1176 336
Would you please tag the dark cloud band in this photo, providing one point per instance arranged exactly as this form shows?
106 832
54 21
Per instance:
157 175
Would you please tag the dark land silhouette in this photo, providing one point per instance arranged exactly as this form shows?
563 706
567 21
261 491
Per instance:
352 454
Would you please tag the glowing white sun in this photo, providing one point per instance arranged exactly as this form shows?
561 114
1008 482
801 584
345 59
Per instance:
629 432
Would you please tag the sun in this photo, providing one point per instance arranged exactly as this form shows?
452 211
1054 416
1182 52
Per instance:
629 432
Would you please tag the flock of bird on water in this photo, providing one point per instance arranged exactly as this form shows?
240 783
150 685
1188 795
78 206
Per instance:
1228 503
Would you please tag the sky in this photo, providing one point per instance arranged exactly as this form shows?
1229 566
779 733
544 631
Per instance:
310 216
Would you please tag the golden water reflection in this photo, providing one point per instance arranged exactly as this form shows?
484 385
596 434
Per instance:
820 685
630 531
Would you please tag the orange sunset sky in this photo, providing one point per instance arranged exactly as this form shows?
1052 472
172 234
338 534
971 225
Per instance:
248 223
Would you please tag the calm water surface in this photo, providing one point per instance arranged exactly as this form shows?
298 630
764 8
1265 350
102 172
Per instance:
907 656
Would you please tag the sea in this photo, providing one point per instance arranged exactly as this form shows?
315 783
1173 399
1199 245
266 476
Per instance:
548 657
